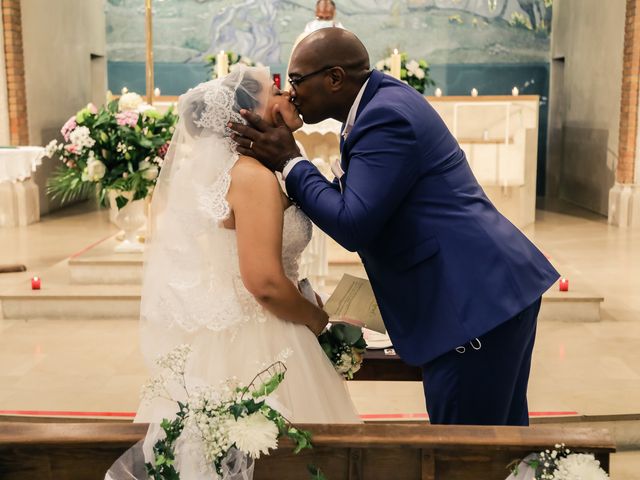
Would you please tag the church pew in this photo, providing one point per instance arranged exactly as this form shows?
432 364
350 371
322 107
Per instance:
84 451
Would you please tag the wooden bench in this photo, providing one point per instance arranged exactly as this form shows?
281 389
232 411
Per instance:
84 451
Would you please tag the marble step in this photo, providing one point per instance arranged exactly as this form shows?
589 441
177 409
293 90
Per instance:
123 301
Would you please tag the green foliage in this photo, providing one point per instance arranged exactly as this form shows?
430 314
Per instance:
113 160
415 73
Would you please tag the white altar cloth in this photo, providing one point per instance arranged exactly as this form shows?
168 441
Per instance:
19 196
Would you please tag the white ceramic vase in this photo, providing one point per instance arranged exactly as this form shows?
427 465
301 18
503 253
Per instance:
130 219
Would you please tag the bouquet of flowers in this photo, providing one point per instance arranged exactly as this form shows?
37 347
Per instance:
345 346
233 423
120 147
233 60
558 464
413 72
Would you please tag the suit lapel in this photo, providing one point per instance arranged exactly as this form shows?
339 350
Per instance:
375 79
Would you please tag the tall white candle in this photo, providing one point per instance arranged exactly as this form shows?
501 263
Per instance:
515 92
396 64
222 64
474 92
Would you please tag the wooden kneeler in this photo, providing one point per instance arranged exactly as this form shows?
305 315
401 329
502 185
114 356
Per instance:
84 451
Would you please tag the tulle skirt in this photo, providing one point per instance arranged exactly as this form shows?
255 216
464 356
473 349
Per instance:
312 391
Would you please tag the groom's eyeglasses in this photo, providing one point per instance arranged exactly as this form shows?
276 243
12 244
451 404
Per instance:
294 82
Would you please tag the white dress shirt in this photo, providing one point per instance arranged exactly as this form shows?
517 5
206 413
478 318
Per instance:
351 120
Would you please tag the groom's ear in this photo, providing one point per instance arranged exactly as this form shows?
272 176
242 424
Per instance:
337 76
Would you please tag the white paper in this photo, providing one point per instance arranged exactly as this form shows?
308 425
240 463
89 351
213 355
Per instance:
353 299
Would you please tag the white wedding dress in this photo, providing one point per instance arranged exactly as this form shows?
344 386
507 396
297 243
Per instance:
192 290
312 391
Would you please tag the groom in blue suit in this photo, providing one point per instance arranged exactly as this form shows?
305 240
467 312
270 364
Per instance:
459 287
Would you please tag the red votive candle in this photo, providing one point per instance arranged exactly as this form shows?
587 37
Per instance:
276 79
36 282
564 284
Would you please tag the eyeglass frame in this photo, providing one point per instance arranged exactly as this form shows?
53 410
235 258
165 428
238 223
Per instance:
298 80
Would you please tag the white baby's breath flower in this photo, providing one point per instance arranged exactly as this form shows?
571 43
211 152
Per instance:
80 137
51 148
579 466
129 101
253 434
175 361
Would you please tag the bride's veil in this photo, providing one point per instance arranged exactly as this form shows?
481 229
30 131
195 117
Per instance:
187 281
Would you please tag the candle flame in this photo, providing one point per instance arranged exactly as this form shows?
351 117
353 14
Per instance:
395 51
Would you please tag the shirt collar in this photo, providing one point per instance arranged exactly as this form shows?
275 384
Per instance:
351 118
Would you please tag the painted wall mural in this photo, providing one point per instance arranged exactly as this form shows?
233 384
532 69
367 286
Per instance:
441 31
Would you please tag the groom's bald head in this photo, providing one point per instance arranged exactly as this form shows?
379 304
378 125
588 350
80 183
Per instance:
329 47
339 65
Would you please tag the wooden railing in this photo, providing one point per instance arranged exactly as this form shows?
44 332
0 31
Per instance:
30 451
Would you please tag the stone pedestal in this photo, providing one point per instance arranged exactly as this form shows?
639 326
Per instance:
624 205
19 203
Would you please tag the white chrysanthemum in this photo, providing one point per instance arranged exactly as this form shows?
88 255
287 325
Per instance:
96 170
129 101
253 434
579 466
149 170
81 138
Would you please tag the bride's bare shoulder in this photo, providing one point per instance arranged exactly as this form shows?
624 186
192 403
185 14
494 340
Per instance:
250 172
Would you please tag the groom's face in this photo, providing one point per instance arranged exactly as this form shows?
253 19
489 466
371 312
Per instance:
309 89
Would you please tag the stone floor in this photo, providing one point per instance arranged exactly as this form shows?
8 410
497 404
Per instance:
89 365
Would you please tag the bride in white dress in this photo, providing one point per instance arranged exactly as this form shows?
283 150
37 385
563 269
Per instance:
221 268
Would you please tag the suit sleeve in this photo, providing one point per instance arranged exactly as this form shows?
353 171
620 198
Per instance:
382 169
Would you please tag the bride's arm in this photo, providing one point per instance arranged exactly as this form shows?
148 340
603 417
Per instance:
257 206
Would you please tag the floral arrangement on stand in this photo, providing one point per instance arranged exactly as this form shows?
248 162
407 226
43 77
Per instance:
119 147
558 464
233 423
345 347
414 73
232 62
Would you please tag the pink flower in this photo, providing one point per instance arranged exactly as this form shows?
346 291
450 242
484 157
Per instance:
92 108
68 127
127 118
71 148
162 151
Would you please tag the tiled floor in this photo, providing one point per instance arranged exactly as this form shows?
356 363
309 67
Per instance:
91 365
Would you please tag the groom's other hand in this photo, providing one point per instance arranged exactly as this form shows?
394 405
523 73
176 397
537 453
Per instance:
272 145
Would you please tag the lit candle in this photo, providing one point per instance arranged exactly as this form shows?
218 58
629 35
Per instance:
222 64
35 283
156 92
564 284
276 80
438 92
124 90
515 92
396 64
474 92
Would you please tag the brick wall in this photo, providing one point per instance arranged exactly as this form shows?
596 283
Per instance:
629 100
14 60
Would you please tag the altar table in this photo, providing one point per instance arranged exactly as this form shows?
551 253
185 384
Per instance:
19 196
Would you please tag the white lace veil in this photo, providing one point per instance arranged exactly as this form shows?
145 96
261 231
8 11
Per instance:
188 259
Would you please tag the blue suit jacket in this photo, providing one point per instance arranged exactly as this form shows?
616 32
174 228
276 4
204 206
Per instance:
444 264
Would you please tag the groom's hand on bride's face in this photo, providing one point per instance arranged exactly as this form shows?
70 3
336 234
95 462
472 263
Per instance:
271 145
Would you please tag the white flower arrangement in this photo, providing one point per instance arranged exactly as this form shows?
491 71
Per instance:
558 464
413 72
228 421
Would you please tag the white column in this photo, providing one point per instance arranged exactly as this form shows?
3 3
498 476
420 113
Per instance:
4 104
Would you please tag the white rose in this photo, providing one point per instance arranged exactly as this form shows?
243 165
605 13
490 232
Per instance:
412 66
95 170
149 171
419 73
129 101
